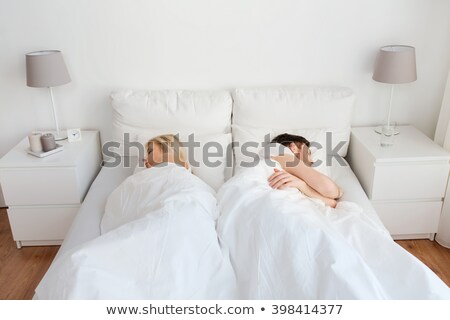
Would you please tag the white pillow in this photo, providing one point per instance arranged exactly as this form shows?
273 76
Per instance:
210 158
284 109
142 115
209 112
251 140
214 156
153 113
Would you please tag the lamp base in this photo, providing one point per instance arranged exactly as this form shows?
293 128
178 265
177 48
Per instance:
58 137
378 130
61 136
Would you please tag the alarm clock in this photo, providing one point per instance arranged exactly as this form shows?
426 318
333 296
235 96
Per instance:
74 135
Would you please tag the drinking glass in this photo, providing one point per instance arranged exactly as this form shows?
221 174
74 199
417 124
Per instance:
387 135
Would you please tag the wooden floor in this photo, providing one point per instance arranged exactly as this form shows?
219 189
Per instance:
435 256
22 269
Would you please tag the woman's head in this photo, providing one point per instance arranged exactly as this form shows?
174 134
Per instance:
298 145
165 148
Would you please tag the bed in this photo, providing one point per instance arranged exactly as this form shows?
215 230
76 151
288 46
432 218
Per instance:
86 225
315 112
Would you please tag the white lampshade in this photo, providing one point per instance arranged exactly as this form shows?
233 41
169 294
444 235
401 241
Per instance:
395 64
46 69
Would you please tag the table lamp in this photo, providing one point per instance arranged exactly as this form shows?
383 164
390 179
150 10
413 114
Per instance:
395 64
47 69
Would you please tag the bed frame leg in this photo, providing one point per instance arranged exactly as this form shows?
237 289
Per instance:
18 244
432 235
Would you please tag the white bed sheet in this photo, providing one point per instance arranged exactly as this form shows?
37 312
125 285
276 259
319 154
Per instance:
353 191
86 225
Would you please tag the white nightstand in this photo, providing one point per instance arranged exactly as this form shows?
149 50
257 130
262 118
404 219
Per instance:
43 194
405 182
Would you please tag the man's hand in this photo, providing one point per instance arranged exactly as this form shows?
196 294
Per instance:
282 179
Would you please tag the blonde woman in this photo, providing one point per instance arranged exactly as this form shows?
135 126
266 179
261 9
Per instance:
165 148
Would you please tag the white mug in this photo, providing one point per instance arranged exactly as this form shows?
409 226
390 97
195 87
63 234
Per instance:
35 142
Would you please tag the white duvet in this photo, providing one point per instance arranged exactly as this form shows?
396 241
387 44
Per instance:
158 242
284 245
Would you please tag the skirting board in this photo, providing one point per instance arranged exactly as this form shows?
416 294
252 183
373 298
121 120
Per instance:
27 243
429 236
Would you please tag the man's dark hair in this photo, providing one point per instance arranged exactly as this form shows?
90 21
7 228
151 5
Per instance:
286 139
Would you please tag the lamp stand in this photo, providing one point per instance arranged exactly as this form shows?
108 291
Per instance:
379 129
59 135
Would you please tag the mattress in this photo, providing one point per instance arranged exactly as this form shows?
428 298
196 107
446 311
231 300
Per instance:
86 225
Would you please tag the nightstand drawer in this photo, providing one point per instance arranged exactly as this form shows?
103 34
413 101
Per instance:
409 217
410 181
43 186
41 223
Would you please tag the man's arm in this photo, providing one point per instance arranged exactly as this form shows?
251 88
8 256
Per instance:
281 180
316 180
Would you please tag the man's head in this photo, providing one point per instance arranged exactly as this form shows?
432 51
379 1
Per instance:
298 145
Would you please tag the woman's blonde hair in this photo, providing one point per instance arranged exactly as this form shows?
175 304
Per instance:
170 145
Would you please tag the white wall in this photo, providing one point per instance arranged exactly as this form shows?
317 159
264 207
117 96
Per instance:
212 44
442 135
